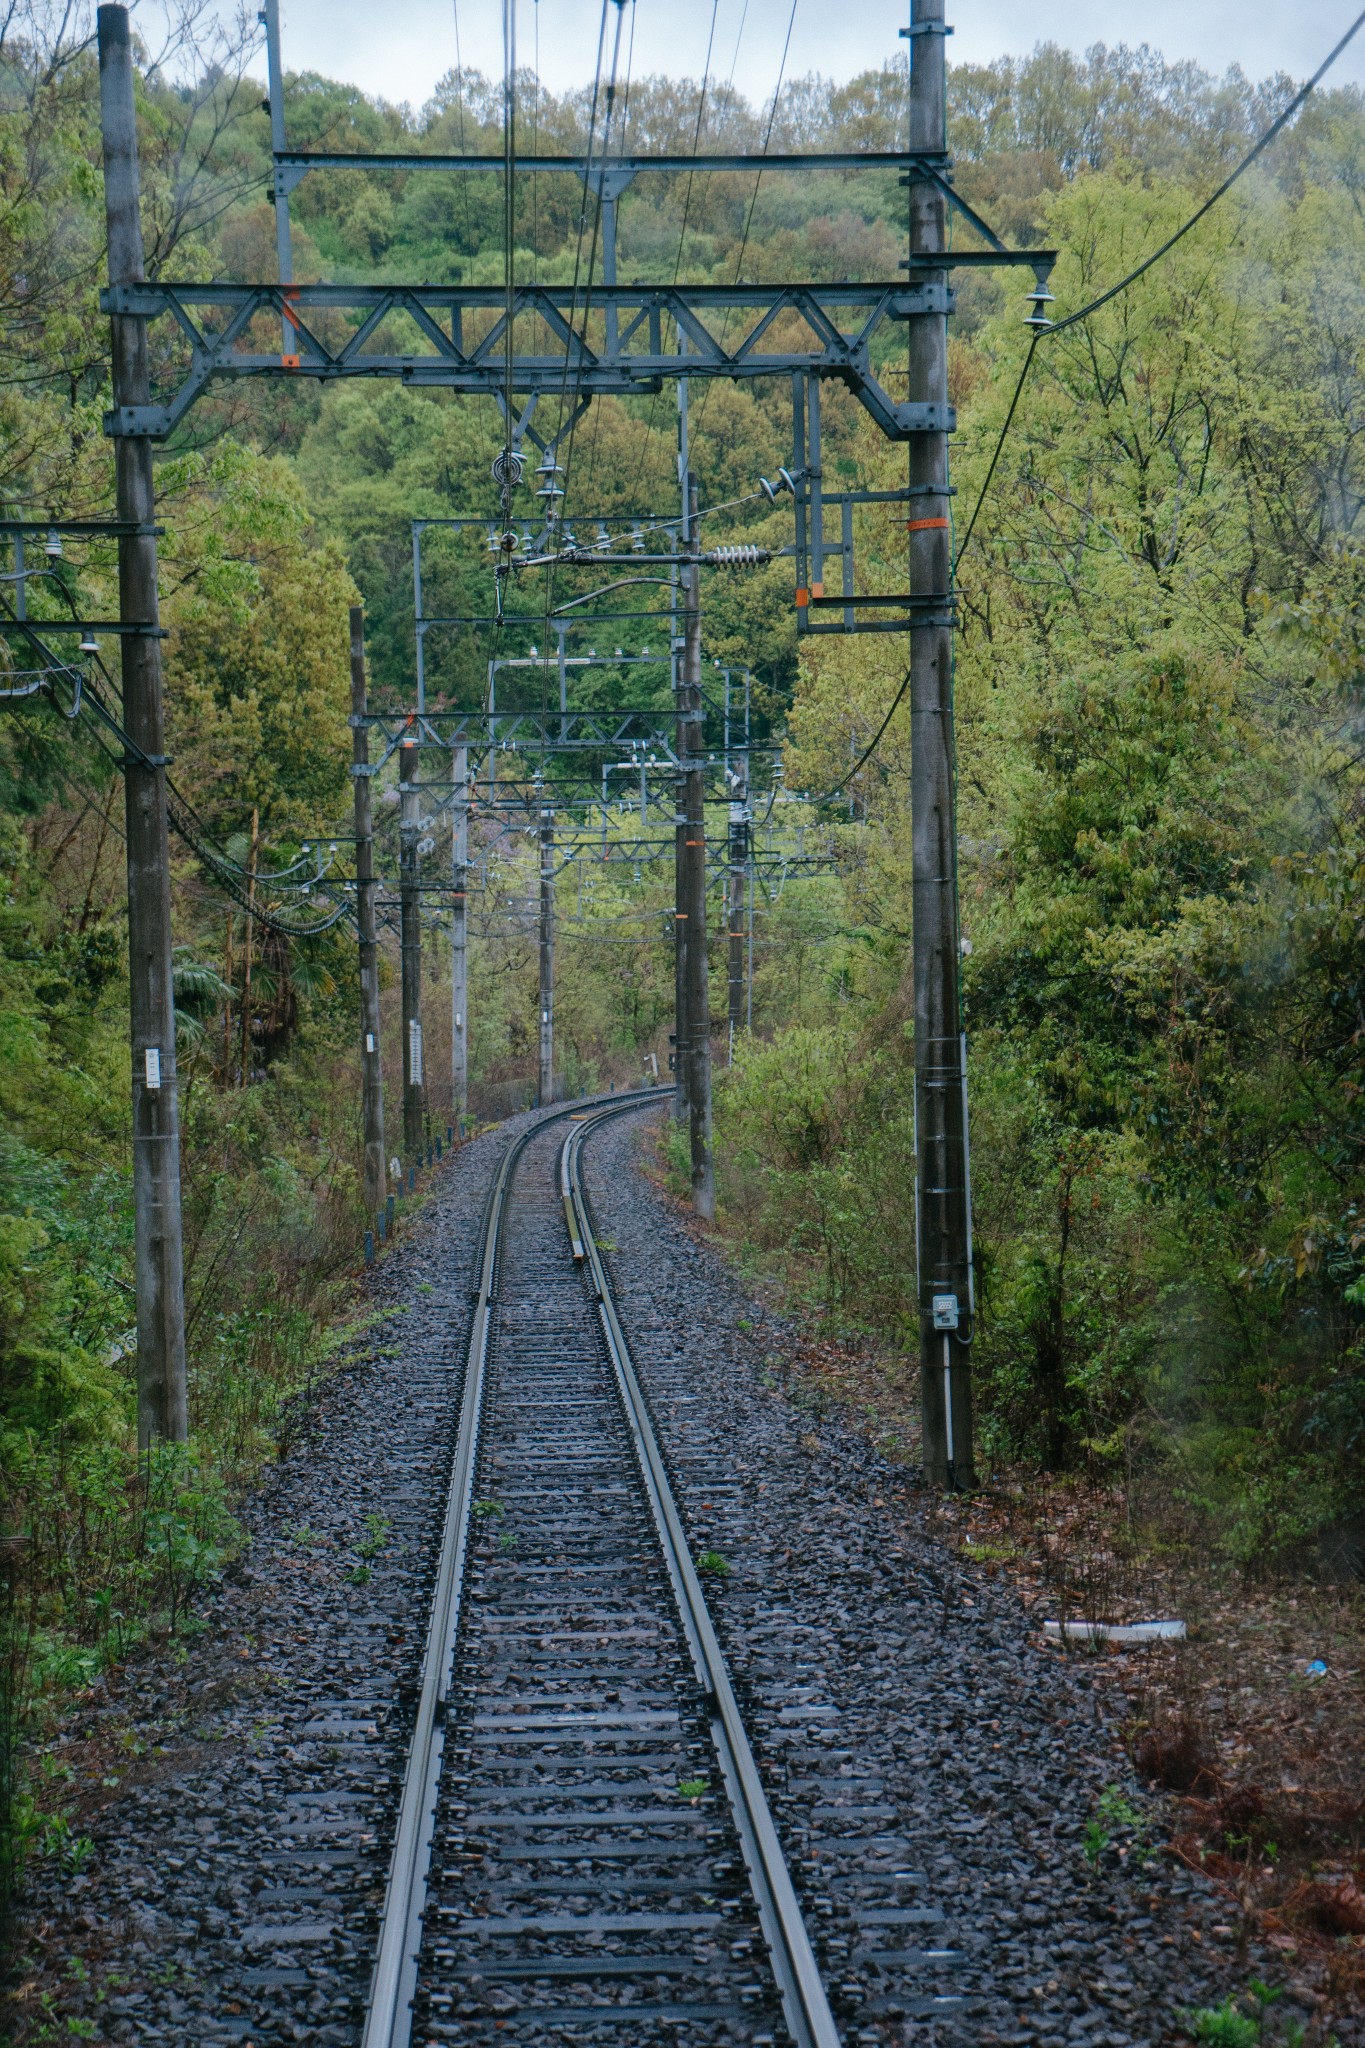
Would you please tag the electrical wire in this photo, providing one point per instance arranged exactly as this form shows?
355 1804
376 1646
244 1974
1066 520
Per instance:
749 219
181 815
687 201
596 231
997 451
696 139
622 131
565 411
509 229
1257 149
464 175
867 753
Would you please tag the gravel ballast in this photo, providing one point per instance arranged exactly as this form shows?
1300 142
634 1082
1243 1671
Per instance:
932 1766
234 1886
982 1754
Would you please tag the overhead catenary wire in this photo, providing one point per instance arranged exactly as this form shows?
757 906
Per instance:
607 125
753 202
682 232
459 101
623 129
566 409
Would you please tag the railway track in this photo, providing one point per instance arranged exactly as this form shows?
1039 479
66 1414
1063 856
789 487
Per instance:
584 1851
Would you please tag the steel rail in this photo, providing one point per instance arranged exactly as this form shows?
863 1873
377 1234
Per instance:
805 2005
388 2016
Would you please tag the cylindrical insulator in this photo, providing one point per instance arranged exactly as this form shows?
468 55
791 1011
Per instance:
740 555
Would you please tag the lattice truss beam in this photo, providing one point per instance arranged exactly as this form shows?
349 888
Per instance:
607 337
620 339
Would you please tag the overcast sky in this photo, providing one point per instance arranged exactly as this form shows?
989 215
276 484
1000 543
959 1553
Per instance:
401 48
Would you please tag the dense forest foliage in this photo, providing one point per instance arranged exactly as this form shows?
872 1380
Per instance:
1162 817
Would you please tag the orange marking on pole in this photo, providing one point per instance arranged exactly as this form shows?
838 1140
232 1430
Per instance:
802 597
922 525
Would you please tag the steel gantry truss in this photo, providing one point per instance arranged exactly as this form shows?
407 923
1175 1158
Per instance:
543 340
454 337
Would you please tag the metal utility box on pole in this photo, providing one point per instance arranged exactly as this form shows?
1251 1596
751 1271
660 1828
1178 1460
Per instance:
410 933
371 1064
941 1162
546 1071
459 931
692 754
161 1394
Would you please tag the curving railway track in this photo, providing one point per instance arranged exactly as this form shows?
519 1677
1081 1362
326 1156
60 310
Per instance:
584 1850
582 1856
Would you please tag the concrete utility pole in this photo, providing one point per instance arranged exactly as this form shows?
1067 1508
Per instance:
944 1240
738 857
693 895
410 934
459 932
680 1038
738 852
680 1035
371 1065
161 1398
546 1080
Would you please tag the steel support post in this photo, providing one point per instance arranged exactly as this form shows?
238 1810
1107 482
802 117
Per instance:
410 933
281 180
459 932
162 1408
371 1064
944 1251
547 955
693 754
